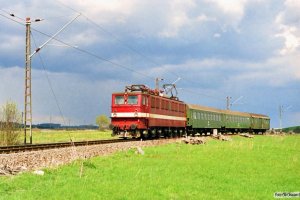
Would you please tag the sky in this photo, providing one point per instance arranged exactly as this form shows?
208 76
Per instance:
246 49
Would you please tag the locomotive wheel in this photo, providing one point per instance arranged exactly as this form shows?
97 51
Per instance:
157 134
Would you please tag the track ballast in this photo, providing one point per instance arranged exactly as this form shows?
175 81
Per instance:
37 147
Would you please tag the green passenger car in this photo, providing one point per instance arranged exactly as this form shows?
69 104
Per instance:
202 119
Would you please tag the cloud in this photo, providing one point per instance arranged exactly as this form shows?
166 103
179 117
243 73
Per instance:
219 48
80 99
235 8
288 21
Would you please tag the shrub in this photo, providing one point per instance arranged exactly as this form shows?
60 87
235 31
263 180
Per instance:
102 121
10 124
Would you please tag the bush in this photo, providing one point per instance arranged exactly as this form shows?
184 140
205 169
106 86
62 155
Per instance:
297 129
10 124
102 121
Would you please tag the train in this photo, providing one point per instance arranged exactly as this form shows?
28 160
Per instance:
141 112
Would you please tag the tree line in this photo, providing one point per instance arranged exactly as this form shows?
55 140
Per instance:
11 123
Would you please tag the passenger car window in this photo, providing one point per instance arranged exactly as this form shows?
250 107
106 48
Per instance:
194 115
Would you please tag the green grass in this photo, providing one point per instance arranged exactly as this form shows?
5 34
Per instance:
46 136
241 169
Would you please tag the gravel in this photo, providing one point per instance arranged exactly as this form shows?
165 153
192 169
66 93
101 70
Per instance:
29 161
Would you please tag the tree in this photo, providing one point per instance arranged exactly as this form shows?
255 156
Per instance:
102 121
10 124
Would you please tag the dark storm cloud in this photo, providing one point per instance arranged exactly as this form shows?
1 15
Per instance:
219 49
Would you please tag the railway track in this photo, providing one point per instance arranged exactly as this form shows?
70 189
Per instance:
37 147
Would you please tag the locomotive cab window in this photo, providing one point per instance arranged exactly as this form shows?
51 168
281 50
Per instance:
119 100
132 100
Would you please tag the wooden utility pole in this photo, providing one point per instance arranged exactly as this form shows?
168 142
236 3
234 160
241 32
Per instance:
281 111
280 117
28 96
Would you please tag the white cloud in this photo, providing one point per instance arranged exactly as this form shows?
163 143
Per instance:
232 7
288 22
177 17
103 11
289 33
217 35
292 3
233 11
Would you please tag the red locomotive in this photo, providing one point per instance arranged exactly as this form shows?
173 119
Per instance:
146 113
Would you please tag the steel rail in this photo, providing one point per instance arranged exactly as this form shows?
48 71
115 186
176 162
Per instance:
37 147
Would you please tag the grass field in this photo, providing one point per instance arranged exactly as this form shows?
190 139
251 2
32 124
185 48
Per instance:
46 136
241 169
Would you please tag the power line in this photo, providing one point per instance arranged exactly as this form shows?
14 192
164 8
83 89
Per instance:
123 43
116 64
109 33
12 15
49 82
85 51
51 38
12 19
52 90
116 39
120 41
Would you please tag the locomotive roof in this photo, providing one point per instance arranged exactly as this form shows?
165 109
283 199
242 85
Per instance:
140 92
210 109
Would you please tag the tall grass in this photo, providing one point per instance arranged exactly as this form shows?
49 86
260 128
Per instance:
241 169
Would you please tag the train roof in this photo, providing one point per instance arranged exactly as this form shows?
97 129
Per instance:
230 112
154 95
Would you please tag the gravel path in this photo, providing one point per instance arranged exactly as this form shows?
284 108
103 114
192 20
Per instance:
28 161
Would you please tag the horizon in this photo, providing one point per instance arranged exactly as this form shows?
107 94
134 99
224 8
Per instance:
247 50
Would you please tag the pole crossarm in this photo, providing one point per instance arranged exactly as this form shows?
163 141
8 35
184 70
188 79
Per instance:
59 31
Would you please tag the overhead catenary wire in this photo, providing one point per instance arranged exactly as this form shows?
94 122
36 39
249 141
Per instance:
53 93
12 15
118 40
109 33
52 37
123 43
109 61
84 51
49 82
103 59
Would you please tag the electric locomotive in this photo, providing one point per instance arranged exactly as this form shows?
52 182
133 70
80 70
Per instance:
146 113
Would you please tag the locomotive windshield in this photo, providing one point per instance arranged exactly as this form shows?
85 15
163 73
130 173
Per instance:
132 100
119 100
